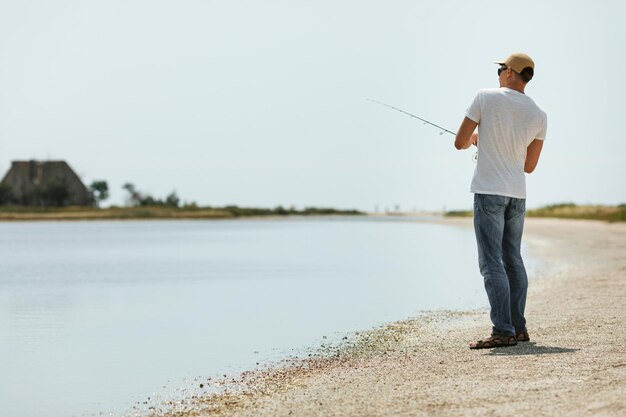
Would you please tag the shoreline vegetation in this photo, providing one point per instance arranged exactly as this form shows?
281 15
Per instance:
191 212
567 211
159 212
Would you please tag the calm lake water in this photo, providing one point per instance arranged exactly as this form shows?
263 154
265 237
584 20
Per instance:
97 316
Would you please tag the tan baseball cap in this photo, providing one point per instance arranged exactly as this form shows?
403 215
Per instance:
520 63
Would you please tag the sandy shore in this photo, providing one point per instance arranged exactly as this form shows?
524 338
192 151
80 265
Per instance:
574 365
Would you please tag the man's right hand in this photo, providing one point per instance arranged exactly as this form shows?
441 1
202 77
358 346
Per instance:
475 139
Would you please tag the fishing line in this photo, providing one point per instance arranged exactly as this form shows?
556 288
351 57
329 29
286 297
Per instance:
442 129
412 115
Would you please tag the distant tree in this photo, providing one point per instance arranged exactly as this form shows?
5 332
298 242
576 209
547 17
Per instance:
137 198
280 210
6 195
172 200
148 200
134 195
100 191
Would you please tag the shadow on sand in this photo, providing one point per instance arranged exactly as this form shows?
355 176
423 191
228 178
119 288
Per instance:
529 348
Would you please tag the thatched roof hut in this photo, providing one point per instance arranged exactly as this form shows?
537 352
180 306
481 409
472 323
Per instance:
44 183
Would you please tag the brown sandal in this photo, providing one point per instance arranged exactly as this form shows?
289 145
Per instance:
522 337
494 341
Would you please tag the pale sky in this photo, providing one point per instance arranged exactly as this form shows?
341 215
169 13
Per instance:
261 103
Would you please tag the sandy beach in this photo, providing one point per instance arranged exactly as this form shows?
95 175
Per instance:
574 365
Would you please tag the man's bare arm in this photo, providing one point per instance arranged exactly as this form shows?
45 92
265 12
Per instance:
532 155
465 137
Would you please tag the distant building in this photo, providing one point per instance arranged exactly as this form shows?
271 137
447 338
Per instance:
44 183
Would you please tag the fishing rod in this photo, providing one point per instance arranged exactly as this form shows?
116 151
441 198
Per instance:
443 129
412 115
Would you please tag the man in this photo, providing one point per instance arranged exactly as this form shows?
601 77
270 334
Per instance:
511 131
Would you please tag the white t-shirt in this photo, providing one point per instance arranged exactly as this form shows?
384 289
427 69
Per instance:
508 121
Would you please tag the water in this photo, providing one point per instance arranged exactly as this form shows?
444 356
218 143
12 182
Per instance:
96 316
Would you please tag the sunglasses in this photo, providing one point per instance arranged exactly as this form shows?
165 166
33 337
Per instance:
502 68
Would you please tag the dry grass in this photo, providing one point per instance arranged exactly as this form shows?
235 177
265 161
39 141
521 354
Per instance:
573 211
120 213
156 212
567 211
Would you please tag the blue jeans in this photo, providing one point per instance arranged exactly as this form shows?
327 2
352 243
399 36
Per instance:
499 223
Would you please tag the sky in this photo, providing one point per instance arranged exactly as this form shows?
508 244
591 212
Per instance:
264 103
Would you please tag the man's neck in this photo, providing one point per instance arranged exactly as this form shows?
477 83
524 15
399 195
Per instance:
515 87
